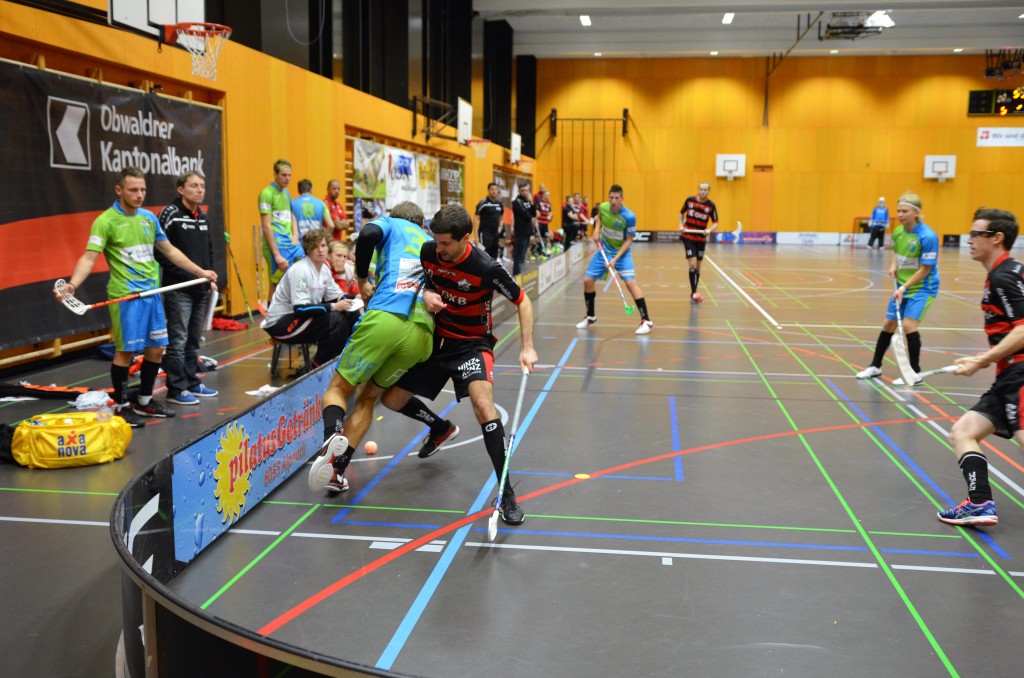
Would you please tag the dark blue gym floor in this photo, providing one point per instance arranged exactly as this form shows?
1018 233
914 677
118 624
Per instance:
717 498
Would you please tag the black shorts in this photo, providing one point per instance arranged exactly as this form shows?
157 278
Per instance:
694 248
1000 404
461 360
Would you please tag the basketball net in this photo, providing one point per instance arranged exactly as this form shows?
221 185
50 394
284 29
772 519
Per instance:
204 42
479 146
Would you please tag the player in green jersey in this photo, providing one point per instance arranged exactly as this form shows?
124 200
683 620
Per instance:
126 235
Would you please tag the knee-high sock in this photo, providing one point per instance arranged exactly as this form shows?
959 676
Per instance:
914 350
494 441
641 304
694 279
884 339
415 409
147 377
118 379
589 297
333 420
975 469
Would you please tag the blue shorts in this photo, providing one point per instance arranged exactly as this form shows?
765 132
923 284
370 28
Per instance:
290 252
624 266
912 307
138 324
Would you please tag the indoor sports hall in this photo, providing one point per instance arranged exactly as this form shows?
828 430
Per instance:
721 496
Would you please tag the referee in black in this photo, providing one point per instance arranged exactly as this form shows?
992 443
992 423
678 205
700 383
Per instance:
487 221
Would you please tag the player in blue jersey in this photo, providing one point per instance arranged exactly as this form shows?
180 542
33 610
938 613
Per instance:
879 222
614 231
915 268
395 333
310 213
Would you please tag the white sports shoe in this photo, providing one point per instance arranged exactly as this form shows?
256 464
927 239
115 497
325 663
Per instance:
645 327
869 372
586 322
321 471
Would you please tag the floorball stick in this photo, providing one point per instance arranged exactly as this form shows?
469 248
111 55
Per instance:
492 522
256 240
948 369
629 309
60 287
245 297
899 345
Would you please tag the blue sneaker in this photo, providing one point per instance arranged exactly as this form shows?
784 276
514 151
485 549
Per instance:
202 391
183 398
970 514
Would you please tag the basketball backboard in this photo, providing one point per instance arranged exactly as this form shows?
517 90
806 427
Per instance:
940 167
516 148
148 17
731 165
464 126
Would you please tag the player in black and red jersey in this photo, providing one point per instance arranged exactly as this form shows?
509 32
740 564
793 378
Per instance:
697 212
460 282
998 411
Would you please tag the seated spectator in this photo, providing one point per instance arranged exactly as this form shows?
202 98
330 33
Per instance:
343 267
308 305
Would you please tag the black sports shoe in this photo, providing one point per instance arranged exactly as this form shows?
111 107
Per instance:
432 443
152 409
128 414
511 512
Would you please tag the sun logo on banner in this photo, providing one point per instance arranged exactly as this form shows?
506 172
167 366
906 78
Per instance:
232 486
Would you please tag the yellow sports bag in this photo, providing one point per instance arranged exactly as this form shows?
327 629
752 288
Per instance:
72 439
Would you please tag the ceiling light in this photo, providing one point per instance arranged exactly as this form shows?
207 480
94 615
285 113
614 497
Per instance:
597 54
728 17
585 19
834 51
714 54
958 50
879 20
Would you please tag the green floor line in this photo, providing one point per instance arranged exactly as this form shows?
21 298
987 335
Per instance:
893 581
258 558
30 490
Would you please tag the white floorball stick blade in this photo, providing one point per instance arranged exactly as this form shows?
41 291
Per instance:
492 526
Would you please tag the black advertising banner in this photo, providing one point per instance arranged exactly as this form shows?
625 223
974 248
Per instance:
65 141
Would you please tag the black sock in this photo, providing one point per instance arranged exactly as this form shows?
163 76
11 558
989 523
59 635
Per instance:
494 441
341 463
589 297
914 350
884 339
415 409
334 419
975 468
119 378
694 277
641 305
147 377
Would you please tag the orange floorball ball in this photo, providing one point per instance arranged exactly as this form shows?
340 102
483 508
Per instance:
370 447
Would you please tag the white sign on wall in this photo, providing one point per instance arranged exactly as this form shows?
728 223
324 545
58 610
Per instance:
1001 136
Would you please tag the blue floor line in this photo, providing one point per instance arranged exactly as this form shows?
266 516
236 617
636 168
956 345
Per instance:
673 417
412 617
915 468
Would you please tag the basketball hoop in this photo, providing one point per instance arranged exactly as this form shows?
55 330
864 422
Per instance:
941 176
729 172
203 41
479 146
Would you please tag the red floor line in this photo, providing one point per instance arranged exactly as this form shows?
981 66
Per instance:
276 623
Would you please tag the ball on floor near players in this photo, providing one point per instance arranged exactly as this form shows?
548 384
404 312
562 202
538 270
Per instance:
370 447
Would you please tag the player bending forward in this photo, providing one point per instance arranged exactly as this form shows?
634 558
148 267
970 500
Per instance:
461 281
614 233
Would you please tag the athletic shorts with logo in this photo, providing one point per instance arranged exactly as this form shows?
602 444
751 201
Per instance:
624 266
694 248
461 360
138 324
383 347
1001 403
